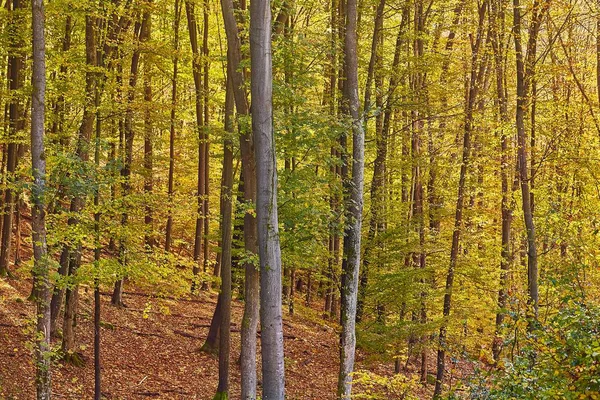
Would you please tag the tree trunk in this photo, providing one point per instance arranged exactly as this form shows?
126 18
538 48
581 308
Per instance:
78 202
354 206
197 74
251 289
15 83
506 168
473 89
142 30
149 238
38 224
266 202
378 167
226 239
205 244
59 290
173 122
525 73
97 256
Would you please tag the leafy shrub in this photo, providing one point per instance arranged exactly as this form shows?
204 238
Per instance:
369 385
560 360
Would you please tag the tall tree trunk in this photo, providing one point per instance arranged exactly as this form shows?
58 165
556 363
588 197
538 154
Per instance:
38 223
251 288
226 239
473 89
197 74
142 30
206 65
354 206
417 215
506 167
149 238
97 256
15 83
78 201
334 196
525 67
173 122
379 164
266 201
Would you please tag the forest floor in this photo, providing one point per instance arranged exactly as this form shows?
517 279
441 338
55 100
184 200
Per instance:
150 350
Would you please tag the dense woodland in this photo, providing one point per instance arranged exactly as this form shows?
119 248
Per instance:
420 175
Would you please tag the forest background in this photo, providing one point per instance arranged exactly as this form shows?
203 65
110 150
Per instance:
480 224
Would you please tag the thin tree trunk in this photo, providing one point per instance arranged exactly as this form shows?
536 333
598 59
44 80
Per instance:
15 83
197 74
497 17
206 158
334 200
525 67
354 207
149 238
173 122
211 345
78 202
97 256
58 293
142 30
417 215
251 289
379 164
226 239
472 93
38 224
59 290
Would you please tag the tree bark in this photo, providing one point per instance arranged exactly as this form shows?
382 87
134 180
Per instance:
97 256
354 206
226 239
38 190
266 202
206 158
251 286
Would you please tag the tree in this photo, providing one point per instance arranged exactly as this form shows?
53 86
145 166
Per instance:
475 82
38 167
173 122
353 190
251 283
525 65
226 238
15 83
141 32
78 199
266 201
